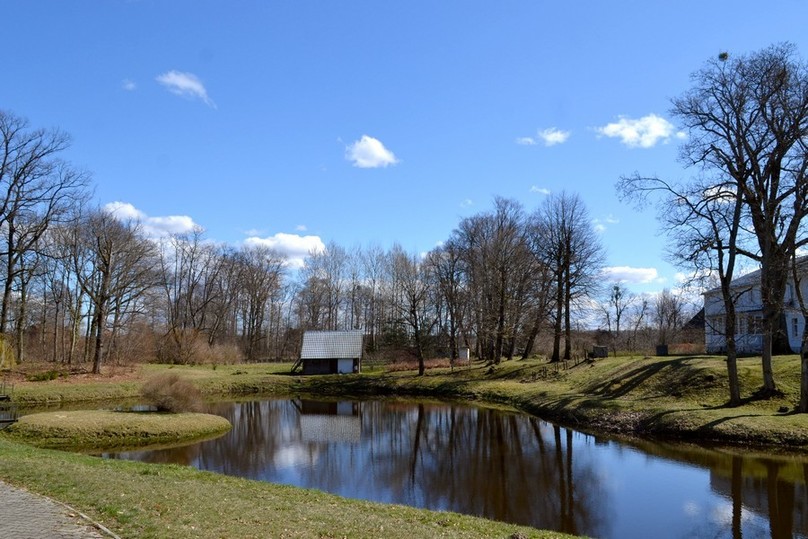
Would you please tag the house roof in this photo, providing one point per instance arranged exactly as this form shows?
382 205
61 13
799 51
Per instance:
331 345
753 277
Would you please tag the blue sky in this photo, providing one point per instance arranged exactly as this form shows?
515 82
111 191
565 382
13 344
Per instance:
297 123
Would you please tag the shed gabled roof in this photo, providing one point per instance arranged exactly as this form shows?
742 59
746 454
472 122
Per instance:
331 345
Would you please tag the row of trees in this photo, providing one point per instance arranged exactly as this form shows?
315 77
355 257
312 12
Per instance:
747 118
83 285
500 279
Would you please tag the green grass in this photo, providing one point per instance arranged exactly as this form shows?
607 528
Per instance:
169 501
104 429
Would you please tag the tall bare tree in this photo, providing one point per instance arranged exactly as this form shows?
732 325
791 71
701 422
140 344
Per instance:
417 299
497 259
261 272
114 265
747 118
667 314
445 262
617 304
36 191
572 251
704 222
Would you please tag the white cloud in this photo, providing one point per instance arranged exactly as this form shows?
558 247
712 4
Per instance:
626 274
539 190
465 203
644 132
153 227
124 211
550 137
553 136
186 85
600 224
301 228
128 85
369 152
295 247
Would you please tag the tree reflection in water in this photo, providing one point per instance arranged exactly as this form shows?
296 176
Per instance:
502 466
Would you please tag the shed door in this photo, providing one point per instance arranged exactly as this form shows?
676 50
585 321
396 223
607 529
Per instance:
345 366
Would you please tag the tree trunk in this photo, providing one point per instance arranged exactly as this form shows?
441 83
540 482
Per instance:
21 321
803 406
557 326
99 334
730 325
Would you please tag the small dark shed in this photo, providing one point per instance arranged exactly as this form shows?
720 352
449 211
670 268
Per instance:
331 352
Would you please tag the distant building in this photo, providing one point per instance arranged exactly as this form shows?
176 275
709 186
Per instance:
331 352
749 312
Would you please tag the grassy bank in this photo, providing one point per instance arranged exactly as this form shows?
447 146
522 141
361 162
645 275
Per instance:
104 429
676 397
670 397
168 501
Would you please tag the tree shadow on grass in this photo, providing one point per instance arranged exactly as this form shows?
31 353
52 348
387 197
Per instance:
619 387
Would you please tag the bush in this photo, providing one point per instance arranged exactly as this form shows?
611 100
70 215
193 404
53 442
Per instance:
170 393
43 376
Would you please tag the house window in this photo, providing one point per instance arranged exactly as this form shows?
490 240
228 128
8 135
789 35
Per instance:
756 326
742 323
715 324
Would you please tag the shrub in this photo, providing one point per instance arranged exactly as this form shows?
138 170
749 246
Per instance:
43 376
169 392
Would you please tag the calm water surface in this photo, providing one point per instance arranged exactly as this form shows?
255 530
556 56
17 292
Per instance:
504 466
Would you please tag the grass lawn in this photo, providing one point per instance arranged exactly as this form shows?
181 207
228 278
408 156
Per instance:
168 501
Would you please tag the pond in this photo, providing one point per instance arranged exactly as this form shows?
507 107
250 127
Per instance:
504 466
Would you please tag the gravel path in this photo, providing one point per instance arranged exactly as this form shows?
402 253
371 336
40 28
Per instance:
24 515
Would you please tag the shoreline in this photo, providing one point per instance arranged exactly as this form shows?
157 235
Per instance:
680 398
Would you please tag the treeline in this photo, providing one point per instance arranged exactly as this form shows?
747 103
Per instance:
81 285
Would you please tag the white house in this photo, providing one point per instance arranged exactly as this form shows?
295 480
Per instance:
749 311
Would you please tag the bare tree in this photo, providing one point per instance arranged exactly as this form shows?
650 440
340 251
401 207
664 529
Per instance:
614 311
703 220
668 313
747 118
261 272
193 275
496 258
416 299
324 293
446 264
637 315
114 265
36 191
373 264
572 251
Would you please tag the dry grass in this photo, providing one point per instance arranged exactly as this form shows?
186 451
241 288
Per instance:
100 429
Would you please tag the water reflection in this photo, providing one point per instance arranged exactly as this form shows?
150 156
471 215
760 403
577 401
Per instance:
504 466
